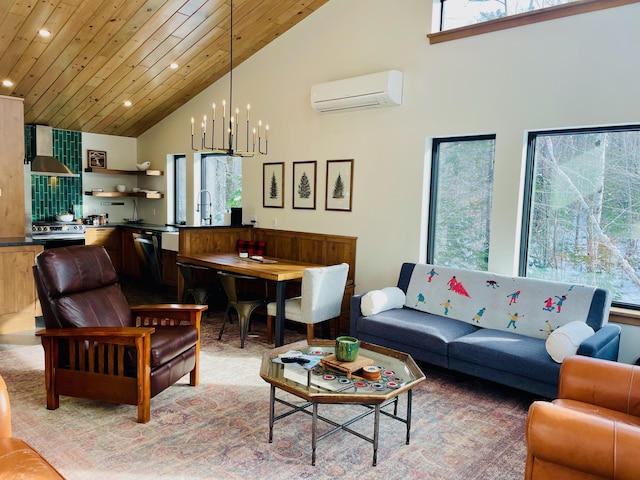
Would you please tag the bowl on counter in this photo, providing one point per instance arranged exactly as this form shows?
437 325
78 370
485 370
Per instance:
64 217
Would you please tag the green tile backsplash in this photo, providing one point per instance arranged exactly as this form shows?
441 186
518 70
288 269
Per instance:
52 195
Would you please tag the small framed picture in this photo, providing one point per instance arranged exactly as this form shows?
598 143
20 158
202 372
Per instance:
273 185
304 185
97 158
339 185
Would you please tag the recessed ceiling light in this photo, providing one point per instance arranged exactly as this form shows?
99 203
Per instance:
7 83
173 66
44 33
127 103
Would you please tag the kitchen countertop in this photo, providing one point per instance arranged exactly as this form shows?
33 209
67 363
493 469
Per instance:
19 241
144 226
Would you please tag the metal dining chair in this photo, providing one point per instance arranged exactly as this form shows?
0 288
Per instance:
244 306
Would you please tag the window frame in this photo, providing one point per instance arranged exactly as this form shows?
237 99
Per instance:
434 185
526 18
528 184
177 159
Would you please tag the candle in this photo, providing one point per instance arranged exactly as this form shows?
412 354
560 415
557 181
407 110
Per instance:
224 108
266 133
192 123
248 110
259 127
213 107
238 113
204 124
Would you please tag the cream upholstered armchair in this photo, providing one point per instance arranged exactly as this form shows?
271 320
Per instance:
592 430
321 299
97 346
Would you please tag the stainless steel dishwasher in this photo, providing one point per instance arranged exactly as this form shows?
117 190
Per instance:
148 245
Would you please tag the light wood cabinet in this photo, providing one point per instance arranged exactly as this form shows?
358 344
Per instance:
18 298
110 239
12 181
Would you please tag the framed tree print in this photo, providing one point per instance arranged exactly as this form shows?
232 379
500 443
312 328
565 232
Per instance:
304 185
339 185
273 185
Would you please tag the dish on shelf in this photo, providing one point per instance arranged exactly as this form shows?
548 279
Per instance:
143 166
148 191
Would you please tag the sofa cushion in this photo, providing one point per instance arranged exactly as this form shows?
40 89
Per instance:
565 340
508 352
377 301
526 306
419 329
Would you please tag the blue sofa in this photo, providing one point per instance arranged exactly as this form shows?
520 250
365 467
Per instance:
487 325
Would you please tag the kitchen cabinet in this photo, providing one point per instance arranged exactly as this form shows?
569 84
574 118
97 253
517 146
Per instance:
12 180
18 298
111 239
144 173
130 258
170 268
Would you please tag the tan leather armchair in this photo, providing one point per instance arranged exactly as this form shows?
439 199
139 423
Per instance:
17 458
592 430
97 346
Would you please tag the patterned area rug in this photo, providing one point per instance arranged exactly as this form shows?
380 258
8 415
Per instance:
462 428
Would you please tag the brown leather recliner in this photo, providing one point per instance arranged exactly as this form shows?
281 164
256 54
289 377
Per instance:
592 430
97 346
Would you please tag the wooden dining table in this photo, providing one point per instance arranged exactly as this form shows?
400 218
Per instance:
279 272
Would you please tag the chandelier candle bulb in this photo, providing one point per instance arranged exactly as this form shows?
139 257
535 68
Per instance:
248 110
192 123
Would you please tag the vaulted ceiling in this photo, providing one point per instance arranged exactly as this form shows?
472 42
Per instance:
102 53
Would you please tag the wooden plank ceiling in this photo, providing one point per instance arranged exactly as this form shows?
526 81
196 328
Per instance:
104 52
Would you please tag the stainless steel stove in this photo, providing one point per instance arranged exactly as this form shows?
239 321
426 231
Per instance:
58 234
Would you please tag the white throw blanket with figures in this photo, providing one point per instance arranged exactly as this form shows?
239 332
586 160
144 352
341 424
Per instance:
521 305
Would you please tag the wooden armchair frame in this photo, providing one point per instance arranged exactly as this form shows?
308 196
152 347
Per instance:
96 367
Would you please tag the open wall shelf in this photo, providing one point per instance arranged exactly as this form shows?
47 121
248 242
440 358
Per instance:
107 171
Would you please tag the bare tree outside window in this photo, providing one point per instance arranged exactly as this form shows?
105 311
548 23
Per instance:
222 178
582 223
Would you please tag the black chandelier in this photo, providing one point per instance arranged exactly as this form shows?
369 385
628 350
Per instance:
230 129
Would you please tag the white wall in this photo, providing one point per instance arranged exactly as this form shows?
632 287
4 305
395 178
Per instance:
121 155
569 72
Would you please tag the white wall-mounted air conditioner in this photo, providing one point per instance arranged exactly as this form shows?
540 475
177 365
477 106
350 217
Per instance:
382 89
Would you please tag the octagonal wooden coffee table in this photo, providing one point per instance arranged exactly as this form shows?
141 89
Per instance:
318 385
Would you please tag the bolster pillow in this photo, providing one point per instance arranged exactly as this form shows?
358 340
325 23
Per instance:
377 301
565 340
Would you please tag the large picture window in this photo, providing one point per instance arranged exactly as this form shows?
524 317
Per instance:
582 209
221 185
460 201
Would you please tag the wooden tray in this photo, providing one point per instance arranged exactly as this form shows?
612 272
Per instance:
331 362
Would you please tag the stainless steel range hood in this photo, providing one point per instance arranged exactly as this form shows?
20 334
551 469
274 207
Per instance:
44 163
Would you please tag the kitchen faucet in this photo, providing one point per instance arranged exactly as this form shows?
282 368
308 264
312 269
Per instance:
210 219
